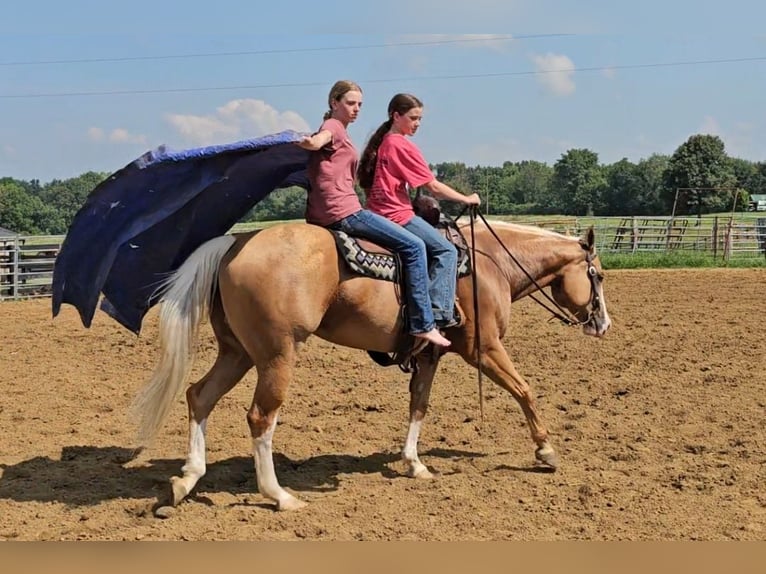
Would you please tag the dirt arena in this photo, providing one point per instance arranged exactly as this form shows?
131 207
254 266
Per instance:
660 428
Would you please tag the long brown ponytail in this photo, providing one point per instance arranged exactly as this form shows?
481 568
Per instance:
401 104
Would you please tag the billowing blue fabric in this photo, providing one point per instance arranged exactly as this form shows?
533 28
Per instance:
143 221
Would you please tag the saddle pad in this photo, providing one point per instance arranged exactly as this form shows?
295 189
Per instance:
366 258
371 260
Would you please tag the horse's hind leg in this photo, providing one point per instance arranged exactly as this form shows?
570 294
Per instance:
420 391
498 366
230 366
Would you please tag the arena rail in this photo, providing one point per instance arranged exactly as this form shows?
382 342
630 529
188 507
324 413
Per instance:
26 262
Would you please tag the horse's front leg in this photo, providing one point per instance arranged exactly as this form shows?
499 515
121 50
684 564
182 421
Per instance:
498 366
420 391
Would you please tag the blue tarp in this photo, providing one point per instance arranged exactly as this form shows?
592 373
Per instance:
143 221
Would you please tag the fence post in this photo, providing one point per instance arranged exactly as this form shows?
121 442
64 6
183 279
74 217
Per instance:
728 239
634 235
760 233
668 231
715 238
15 269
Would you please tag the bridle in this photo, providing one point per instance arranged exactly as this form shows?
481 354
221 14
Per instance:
558 312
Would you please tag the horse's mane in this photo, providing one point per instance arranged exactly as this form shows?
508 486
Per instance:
532 245
534 230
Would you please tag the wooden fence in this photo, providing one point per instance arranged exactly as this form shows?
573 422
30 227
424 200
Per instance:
26 262
722 237
26 265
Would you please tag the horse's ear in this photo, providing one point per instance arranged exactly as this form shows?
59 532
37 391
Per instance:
588 240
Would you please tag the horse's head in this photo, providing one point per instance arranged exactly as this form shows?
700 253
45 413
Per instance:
579 287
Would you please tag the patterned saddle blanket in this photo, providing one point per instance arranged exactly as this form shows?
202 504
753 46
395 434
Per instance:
368 259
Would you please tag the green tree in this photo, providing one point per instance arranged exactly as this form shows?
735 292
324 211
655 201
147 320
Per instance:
459 177
623 193
698 170
489 183
635 189
578 183
67 196
758 182
19 210
530 184
651 174
288 203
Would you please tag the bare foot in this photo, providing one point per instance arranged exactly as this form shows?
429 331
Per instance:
435 337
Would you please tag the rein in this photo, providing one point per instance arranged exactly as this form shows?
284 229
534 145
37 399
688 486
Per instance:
558 313
477 329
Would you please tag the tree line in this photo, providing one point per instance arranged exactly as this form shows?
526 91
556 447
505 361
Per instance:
699 177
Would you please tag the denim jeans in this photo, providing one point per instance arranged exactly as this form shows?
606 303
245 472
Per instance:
412 251
442 269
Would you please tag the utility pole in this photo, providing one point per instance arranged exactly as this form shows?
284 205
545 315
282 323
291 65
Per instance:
486 191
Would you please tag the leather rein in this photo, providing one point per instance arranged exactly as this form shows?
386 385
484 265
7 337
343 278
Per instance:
558 313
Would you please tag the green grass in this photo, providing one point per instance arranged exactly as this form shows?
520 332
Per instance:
676 259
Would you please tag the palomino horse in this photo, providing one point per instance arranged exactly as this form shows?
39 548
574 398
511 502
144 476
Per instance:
279 286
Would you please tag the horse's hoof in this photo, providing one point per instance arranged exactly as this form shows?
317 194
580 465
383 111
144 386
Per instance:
291 503
164 511
177 490
547 456
420 472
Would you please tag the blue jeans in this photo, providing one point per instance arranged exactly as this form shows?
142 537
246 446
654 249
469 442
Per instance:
442 270
412 251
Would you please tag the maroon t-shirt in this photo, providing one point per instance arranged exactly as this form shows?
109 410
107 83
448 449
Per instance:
332 172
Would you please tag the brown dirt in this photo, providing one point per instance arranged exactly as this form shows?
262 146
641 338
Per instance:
659 427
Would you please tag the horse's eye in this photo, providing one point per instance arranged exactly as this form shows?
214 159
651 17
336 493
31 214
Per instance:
592 271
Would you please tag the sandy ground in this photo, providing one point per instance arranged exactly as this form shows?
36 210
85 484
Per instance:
659 428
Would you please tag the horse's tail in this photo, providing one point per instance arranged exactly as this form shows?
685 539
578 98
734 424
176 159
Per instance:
185 300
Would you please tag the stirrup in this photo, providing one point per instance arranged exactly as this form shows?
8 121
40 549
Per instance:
406 361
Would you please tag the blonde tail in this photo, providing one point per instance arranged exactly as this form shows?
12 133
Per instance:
185 301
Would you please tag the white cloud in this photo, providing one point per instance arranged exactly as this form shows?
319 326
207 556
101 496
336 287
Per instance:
117 135
235 120
95 134
120 135
555 73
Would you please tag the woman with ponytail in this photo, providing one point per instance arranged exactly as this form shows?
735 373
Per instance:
391 165
333 203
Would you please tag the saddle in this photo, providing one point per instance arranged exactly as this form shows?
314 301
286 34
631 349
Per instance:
368 259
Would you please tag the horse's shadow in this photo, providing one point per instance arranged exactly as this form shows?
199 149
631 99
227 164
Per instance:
89 475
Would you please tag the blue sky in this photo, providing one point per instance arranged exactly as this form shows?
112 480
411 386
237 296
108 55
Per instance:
88 85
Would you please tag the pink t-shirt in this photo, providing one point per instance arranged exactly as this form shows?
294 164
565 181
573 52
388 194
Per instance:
399 164
332 172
